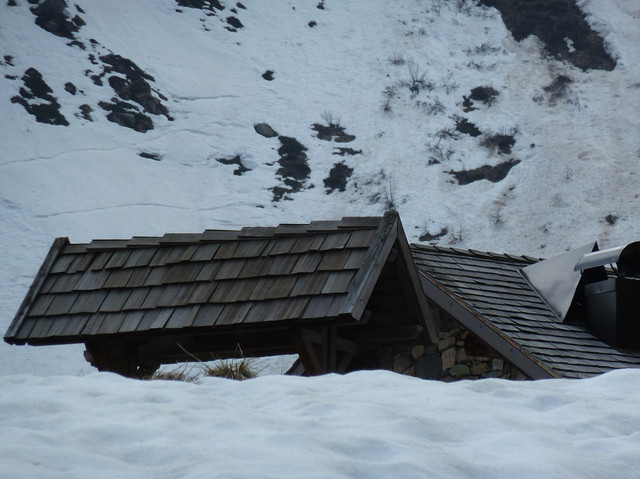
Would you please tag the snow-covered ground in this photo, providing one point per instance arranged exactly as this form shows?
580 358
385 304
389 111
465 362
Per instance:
365 424
394 74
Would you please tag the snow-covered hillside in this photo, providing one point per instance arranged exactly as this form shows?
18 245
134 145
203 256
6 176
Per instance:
431 108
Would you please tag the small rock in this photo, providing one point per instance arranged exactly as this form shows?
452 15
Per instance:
460 370
265 130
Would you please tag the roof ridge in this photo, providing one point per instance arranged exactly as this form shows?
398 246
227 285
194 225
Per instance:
476 253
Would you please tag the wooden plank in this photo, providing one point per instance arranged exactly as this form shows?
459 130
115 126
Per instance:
309 284
336 240
180 238
61 304
318 306
81 262
160 256
41 304
169 295
338 282
361 238
92 280
26 326
250 248
101 260
155 277
256 232
139 257
184 294
283 264
255 267
93 324
115 300
181 273
152 299
230 269
282 245
368 222
107 244
181 253
226 250
41 327
318 241
323 225
281 288
220 235
183 317
231 291
49 283
287 308
66 283
136 299
88 302
261 288
233 313
205 252
118 259
207 315
138 277
155 319
202 293
61 263
334 260
258 312
131 321
356 258
307 263
209 271
303 243
118 278
367 276
111 323
337 305
75 325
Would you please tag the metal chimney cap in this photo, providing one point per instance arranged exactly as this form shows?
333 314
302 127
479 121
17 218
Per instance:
626 258
555 280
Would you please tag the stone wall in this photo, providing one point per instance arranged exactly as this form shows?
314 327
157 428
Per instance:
449 360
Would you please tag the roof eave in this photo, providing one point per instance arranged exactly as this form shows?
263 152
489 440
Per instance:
52 255
484 330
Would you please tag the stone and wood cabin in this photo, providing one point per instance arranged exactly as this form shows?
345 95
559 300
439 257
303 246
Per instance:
342 295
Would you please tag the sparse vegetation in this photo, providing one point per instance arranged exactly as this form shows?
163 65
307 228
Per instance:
238 369
397 59
500 142
417 80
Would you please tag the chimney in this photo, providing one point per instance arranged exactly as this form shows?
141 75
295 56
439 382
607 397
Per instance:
612 300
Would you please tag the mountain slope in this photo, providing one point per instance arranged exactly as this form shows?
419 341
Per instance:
434 109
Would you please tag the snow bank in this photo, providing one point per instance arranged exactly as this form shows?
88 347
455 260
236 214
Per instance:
366 424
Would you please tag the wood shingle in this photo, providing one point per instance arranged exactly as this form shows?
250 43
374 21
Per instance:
146 296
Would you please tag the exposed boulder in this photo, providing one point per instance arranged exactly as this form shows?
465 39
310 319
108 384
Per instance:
265 130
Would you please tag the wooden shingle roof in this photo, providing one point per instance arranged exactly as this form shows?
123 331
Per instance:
196 280
200 289
487 294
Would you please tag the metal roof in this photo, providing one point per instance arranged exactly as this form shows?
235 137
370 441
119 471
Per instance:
487 293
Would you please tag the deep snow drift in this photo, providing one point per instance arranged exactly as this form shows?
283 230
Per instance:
365 424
